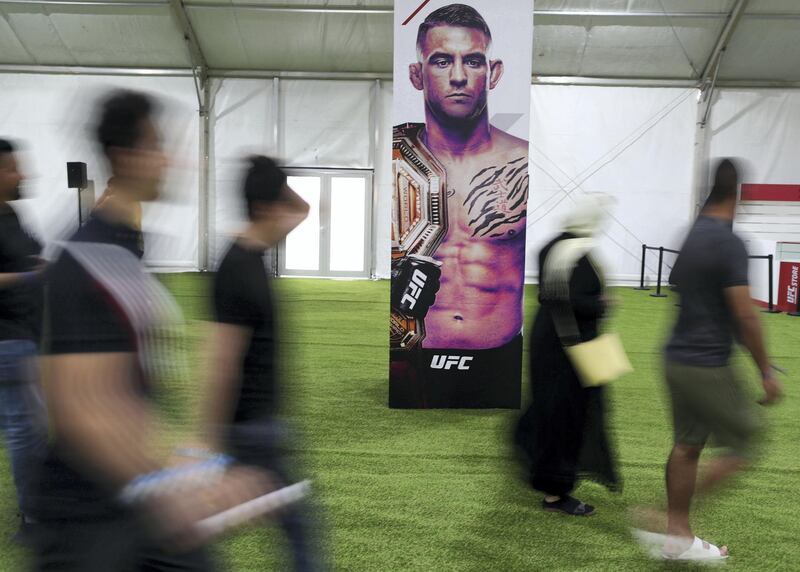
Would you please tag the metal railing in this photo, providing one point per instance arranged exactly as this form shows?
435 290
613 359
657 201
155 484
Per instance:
770 261
661 250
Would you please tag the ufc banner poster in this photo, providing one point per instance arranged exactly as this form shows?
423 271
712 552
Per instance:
462 83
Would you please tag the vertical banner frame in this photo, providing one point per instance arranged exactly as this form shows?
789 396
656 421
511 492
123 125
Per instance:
461 116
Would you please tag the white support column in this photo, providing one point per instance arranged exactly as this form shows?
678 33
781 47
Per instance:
705 101
375 118
200 73
203 217
278 151
702 142
277 132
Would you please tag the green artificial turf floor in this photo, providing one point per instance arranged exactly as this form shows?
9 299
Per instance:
439 490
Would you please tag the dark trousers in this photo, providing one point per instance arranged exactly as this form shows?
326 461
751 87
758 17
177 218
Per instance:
23 420
260 443
110 545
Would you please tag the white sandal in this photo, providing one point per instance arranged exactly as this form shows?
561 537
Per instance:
652 542
698 551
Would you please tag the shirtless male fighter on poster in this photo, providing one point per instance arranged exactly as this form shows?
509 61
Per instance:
479 257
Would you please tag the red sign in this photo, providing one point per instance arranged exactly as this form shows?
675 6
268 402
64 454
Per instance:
789 193
789 287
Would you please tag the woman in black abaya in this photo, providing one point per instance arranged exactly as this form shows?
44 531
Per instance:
562 435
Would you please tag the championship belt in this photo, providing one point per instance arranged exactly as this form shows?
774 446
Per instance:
419 224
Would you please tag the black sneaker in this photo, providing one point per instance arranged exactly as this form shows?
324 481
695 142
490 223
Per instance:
569 505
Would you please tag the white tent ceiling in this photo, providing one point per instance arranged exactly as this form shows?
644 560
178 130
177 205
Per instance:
641 39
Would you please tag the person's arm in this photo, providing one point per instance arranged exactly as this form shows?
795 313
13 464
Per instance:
749 328
733 276
96 416
586 301
228 341
11 279
289 211
294 203
227 346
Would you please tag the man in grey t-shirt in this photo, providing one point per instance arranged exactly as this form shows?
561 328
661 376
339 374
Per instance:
707 397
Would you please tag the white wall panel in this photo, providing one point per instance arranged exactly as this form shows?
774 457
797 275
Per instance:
635 144
762 129
325 123
242 124
761 126
50 115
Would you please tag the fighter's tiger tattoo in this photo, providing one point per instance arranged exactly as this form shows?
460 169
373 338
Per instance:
498 198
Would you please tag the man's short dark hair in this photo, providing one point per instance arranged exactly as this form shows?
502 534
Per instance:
122 113
263 182
726 183
458 15
6 147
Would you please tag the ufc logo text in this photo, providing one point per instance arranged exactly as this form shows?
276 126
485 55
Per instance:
414 289
447 362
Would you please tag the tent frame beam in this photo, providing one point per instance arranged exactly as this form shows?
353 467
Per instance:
276 7
195 53
86 3
723 40
367 76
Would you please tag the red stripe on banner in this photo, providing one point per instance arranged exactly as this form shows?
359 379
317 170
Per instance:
771 192
415 12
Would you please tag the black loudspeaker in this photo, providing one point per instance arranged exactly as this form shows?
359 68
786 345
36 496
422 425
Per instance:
76 175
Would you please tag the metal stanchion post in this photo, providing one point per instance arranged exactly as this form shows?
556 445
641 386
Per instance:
641 277
770 305
657 293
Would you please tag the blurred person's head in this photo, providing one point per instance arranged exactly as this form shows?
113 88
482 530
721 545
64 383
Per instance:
589 215
453 70
10 176
129 138
263 185
724 191
274 208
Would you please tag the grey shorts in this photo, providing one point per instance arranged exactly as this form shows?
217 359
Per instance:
710 402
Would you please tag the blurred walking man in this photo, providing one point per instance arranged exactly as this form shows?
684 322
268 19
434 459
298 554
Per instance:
708 400
245 390
23 421
94 514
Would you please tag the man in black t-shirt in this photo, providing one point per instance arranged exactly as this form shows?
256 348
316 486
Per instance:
23 420
708 400
244 387
93 514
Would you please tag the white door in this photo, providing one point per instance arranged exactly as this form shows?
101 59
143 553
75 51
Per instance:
336 238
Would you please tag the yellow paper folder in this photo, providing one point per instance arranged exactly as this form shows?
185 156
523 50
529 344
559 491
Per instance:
600 360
